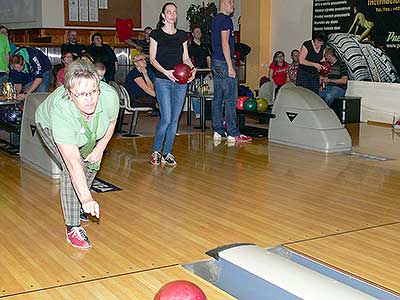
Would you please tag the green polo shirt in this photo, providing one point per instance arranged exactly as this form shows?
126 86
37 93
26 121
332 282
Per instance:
4 49
61 115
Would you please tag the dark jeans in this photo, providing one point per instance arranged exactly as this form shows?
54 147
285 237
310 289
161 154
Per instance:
225 94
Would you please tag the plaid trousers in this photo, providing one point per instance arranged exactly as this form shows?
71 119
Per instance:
69 201
308 80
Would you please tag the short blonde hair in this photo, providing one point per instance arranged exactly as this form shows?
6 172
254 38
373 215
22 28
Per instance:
135 58
77 70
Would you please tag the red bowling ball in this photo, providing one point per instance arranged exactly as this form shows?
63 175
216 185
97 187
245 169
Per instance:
241 101
326 68
180 290
182 73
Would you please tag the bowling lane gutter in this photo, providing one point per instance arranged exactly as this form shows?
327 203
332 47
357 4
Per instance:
86 281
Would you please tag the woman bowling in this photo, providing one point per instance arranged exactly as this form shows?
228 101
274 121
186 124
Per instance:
76 122
168 47
311 54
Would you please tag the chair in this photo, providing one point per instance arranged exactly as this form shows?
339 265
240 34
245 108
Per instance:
134 110
267 91
121 112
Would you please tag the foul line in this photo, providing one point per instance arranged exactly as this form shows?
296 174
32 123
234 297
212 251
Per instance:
87 281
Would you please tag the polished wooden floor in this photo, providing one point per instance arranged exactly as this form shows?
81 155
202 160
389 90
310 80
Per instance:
326 206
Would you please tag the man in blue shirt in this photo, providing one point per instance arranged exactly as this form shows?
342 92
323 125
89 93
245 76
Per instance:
30 71
225 79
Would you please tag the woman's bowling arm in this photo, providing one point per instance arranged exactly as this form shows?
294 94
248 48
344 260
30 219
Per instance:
186 60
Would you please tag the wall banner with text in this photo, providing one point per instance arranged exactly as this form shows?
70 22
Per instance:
369 23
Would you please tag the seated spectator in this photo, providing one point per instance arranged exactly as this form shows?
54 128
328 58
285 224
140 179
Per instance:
30 71
139 84
142 45
294 66
72 45
66 59
335 84
201 58
105 54
101 70
277 70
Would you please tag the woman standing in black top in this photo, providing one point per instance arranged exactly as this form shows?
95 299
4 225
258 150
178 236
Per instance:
168 47
103 53
311 54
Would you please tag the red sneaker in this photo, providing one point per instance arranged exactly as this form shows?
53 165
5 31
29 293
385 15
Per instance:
155 158
77 237
240 138
397 125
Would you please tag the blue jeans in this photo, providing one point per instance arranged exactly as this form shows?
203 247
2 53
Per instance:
196 105
225 93
170 97
331 92
43 87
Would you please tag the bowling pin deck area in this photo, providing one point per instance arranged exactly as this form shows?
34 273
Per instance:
341 210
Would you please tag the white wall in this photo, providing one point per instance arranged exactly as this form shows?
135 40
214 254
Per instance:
53 13
291 25
151 11
50 13
17 14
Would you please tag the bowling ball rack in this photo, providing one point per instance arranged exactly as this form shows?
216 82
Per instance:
253 131
11 146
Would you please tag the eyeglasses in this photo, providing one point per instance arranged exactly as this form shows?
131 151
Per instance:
139 60
86 95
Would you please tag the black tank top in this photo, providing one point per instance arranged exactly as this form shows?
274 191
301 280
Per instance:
312 56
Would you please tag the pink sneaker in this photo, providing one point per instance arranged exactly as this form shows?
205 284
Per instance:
77 237
240 138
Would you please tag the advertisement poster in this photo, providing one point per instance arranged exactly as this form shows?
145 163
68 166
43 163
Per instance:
368 23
